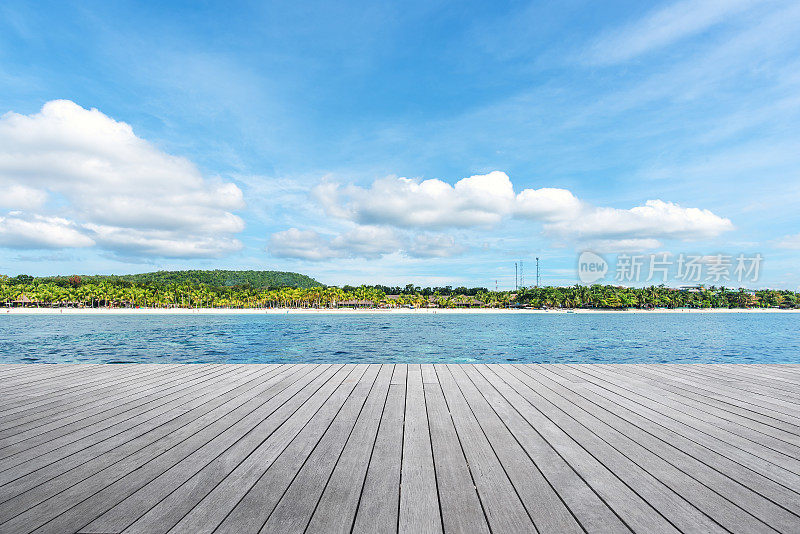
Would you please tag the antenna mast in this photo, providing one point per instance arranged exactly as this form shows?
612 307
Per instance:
516 277
537 271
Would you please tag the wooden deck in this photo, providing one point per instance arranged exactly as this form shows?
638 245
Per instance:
381 448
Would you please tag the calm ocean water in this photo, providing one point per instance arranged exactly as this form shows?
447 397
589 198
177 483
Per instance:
575 338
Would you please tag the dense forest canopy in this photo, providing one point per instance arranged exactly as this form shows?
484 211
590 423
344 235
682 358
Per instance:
261 289
217 278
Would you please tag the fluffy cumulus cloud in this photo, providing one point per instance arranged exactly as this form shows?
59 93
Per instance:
656 219
486 200
76 177
480 200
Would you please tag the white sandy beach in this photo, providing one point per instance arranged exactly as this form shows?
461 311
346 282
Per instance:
361 311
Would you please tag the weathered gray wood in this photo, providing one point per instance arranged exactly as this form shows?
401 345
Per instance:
461 507
708 390
399 374
251 512
387 448
545 507
202 465
630 506
621 437
70 509
419 501
89 404
711 390
695 430
690 414
501 503
43 402
380 497
757 495
164 420
140 450
587 506
208 492
338 504
85 423
297 505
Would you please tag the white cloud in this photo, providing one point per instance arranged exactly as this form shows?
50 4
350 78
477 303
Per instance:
664 27
479 200
112 186
17 196
475 201
656 219
486 200
547 204
18 230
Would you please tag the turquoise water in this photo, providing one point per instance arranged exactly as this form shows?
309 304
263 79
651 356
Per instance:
576 338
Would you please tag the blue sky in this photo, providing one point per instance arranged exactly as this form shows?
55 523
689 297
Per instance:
433 143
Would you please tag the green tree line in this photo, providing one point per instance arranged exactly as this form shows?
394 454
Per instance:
112 291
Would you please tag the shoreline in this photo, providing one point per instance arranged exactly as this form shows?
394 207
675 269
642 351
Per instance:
371 311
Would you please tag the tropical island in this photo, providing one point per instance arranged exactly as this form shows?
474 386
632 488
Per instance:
221 289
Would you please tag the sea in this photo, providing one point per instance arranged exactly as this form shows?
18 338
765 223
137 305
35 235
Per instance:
438 338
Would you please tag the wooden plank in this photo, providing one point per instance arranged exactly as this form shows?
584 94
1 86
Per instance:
71 428
208 490
428 374
544 505
380 497
71 509
43 401
242 448
399 374
139 451
764 420
458 498
234 443
743 438
697 431
683 482
297 505
338 504
251 512
734 396
760 496
419 502
587 506
501 503
41 419
731 394
634 509
163 420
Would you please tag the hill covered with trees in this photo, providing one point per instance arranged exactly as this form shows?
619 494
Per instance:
215 278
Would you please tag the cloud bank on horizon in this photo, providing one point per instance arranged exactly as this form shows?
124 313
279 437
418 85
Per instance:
389 206
325 141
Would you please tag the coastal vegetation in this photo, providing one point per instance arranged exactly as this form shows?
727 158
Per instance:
271 289
216 278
